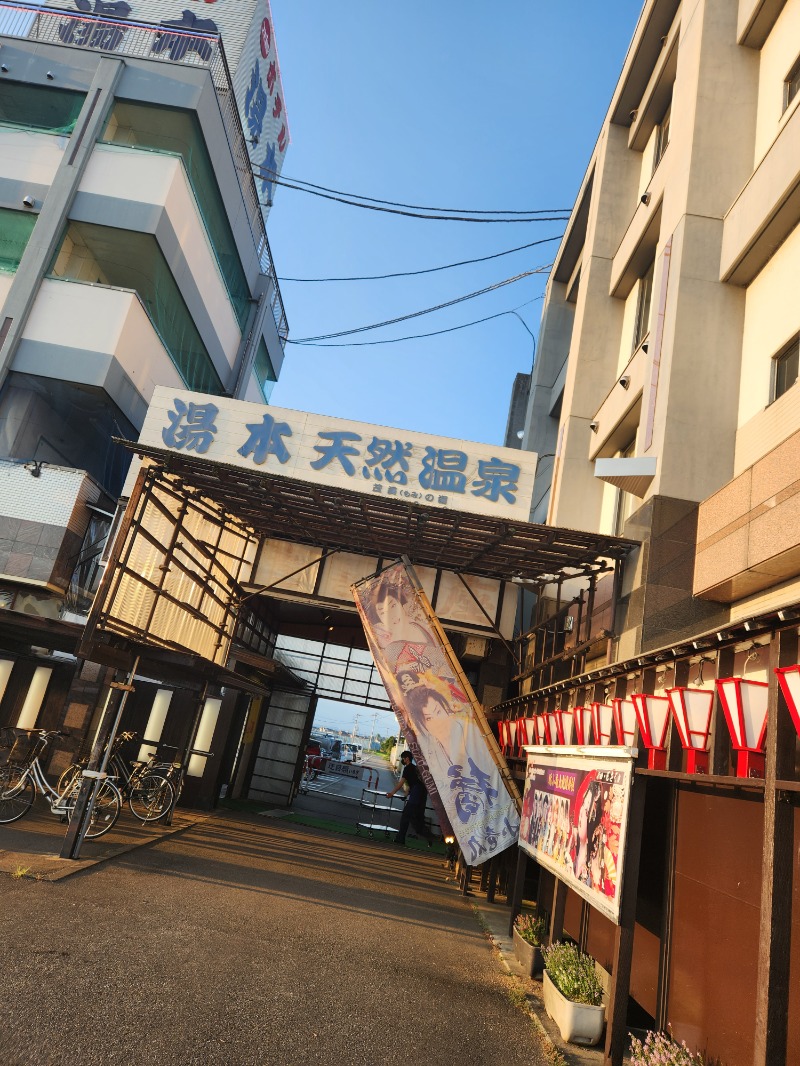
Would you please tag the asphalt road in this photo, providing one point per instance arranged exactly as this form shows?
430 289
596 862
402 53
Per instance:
248 941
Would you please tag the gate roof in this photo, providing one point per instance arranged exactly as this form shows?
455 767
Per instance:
335 518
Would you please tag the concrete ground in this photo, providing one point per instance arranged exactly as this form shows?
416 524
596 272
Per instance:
250 939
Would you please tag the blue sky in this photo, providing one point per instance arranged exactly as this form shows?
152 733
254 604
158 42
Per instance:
441 104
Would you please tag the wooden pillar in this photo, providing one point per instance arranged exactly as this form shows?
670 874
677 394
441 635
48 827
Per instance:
518 888
616 1015
772 985
491 879
559 906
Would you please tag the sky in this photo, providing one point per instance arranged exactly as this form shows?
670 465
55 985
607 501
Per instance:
439 104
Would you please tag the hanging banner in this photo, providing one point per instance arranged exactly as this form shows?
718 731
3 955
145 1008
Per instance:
425 682
411 742
574 819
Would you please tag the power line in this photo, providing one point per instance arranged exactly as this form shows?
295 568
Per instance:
413 336
431 270
417 314
412 207
408 214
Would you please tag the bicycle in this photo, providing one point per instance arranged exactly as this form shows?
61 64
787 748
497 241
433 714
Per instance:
21 782
145 785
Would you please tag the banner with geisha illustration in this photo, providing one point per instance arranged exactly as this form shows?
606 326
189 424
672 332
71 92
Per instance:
574 819
425 683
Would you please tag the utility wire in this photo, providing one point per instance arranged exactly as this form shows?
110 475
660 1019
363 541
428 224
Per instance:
417 314
413 336
430 270
412 207
410 214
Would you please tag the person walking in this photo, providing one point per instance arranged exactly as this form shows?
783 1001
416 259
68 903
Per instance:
414 811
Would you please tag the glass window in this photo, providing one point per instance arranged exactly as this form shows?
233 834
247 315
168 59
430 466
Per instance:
662 137
101 255
37 107
642 324
262 368
785 368
66 424
15 230
791 86
178 132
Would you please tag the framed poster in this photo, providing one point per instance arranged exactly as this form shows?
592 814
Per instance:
575 817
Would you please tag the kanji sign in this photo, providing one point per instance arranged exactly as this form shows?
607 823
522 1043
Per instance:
411 466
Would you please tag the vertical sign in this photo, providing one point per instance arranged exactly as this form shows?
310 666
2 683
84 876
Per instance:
423 679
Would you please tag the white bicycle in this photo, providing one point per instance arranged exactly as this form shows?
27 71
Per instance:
21 781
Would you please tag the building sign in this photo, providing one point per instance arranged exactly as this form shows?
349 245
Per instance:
231 19
421 674
574 819
398 464
259 91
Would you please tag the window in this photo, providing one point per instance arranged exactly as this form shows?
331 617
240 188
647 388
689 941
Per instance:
262 368
15 230
102 255
642 324
791 86
785 368
38 107
170 130
662 137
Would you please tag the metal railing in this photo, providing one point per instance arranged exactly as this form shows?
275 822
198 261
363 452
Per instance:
168 44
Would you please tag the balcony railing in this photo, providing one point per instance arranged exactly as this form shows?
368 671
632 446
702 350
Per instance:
143 40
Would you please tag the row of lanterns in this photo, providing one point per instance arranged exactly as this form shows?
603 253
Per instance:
744 703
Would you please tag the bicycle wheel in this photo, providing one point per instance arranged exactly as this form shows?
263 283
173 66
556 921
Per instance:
106 810
150 798
17 793
68 779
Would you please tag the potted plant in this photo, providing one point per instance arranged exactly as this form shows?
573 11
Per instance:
659 1049
573 994
529 931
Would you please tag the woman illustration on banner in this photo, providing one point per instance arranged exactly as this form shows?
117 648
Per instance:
440 728
588 818
404 641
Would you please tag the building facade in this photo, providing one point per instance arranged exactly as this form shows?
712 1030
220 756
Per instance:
670 331
133 253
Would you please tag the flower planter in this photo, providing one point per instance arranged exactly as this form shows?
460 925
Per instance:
578 1023
529 956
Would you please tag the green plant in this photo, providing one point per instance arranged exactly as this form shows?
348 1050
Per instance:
659 1049
573 974
530 928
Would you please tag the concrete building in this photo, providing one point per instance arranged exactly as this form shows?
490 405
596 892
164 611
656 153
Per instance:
133 253
666 388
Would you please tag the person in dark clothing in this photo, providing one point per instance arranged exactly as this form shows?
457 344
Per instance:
414 811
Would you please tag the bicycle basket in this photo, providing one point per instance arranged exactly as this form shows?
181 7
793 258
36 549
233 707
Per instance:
23 749
7 737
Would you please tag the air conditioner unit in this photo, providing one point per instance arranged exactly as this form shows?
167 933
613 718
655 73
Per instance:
475 647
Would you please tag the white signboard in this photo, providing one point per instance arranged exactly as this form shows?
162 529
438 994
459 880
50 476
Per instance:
229 18
399 464
259 92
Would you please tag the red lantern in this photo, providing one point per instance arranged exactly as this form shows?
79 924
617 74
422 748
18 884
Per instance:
691 708
525 734
552 720
542 729
582 718
624 721
652 714
745 706
602 717
789 680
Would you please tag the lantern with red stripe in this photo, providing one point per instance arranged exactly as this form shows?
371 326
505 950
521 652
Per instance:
691 708
552 719
511 727
542 729
582 719
624 721
565 726
652 714
602 718
745 706
502 735
789 680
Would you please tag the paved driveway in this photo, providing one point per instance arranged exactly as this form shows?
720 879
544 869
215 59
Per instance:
248 941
